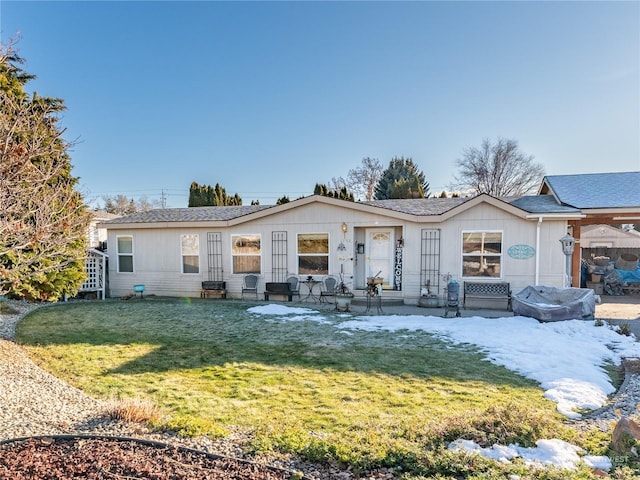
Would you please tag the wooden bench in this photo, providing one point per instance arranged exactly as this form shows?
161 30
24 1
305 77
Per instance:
213 289
487 291
282 289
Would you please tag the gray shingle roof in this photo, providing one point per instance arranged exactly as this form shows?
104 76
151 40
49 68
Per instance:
413 206
419 206
190 214
597 190
541 204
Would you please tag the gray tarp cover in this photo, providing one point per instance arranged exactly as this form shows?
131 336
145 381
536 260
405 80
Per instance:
552 304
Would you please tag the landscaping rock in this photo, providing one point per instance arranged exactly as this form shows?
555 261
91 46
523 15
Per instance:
625 436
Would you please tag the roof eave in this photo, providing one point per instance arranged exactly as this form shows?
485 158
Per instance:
617 211
555 216
165 224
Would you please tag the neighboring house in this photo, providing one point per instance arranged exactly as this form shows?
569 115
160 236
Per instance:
606 236
608 241
602 198
98 236
410 242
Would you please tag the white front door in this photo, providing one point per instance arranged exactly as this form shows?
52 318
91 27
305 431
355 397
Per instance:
380 243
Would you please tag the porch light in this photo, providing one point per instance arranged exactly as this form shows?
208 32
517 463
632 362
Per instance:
344 227
568 243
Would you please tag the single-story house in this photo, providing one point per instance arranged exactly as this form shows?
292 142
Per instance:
406 242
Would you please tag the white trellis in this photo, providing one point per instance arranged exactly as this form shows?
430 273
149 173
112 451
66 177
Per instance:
96 267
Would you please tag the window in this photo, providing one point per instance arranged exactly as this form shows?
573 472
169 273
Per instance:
125 254
481 254
190 250
313 254
246 252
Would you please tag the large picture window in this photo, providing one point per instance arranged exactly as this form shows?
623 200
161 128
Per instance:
481 254
246 252
190 252
125 254
313 254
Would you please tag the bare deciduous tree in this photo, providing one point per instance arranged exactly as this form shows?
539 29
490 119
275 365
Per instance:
123 205
363 180
499 169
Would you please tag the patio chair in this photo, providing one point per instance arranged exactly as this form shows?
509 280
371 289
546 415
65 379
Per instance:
293 286
250 285
329 285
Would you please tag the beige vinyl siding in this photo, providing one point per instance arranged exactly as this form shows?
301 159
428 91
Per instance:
157 253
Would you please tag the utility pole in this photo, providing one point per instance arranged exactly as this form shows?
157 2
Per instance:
163 199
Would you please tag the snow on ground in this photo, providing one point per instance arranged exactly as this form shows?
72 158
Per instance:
547 452
566 358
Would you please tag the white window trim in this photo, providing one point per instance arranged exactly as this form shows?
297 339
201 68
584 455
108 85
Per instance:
118 254
231 241
328 254
182 255
500 255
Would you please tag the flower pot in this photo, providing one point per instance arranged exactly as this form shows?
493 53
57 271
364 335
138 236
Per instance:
430 301
343 300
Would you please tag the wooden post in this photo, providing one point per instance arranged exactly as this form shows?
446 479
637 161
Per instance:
576 260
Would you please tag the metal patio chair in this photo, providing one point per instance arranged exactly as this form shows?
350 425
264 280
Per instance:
329 285
293 286
250 285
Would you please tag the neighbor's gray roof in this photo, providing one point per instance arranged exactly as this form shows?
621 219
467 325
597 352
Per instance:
597 190
541 204
189 214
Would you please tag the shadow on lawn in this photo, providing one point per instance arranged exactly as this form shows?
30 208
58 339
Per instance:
200 334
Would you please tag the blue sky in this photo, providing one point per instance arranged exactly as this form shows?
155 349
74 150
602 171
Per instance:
268 98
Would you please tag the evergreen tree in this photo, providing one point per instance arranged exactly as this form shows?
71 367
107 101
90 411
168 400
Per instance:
341 193
401 179
206 195
283 200
43 218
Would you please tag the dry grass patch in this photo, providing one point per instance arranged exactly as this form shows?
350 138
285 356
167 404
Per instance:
136 410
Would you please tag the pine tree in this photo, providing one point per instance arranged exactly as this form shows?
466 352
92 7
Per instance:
402 179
